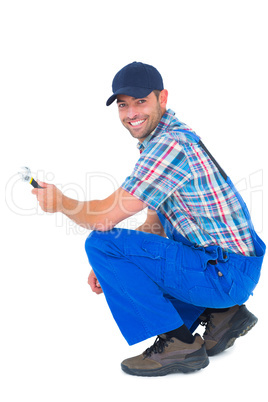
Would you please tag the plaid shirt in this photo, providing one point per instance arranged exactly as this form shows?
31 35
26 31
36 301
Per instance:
176 176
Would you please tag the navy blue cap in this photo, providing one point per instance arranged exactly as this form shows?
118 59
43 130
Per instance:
137 80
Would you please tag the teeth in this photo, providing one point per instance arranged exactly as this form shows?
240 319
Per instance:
136 123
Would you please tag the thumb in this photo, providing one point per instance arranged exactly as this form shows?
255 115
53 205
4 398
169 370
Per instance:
42 184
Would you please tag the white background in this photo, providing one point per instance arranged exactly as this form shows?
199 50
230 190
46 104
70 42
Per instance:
58 341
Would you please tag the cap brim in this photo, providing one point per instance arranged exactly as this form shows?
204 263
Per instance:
130 91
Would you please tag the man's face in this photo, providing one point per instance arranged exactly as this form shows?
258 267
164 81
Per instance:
140 116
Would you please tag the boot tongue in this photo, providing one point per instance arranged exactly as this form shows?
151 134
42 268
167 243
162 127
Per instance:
163 336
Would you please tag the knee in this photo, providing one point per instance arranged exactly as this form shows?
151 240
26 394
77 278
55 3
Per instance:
93 241
102 241
102 245
93 248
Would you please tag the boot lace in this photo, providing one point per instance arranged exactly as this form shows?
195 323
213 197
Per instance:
158 346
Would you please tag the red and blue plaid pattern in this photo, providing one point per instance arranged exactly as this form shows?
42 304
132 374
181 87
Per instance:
176 176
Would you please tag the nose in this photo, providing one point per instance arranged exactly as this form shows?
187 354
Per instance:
132 112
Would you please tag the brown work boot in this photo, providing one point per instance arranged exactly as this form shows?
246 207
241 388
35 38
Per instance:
168 355
222 329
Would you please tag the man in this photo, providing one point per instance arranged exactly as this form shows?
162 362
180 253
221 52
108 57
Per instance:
196 258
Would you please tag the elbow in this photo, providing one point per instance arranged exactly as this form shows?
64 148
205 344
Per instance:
103 226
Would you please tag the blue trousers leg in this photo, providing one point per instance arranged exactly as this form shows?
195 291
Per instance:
135 282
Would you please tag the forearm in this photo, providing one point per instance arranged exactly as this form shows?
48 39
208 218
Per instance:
87 214
100 215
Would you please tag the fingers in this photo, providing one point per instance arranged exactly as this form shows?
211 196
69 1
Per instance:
98 288
98 291
42 184
94 283
40 193
49 197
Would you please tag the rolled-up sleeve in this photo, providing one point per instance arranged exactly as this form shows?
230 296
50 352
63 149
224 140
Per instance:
161 169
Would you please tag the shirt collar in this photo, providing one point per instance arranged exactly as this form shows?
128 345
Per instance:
163 124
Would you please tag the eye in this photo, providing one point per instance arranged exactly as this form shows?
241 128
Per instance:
141 101
121 105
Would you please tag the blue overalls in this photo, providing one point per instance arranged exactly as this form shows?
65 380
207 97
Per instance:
154 284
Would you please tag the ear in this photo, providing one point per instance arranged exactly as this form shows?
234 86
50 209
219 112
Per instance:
163 98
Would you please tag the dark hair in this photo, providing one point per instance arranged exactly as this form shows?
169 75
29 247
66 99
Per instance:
157 93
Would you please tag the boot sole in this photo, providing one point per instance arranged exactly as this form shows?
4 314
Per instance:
194 361
244 321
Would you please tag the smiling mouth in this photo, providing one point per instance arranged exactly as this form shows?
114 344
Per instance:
136 123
